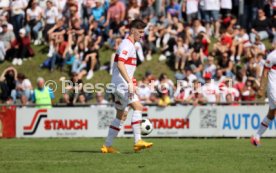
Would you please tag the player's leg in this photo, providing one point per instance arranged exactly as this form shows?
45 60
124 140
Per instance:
136 119
113 131
136 126
255 140
121 101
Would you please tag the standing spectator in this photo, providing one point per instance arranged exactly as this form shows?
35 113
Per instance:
43 95
260 27
18 14
190 10
226 7
211 13
22 90
4 6
34 21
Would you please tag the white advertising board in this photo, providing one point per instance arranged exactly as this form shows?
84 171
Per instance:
175 121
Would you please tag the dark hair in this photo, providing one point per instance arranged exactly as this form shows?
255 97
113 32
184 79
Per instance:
137 24
21 76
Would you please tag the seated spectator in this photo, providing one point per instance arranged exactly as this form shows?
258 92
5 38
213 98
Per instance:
133 11
210 66
227 88
98 13
240 44
74 91
195 64
225 43
164 80
196 97
164 99
7 82
100 101
248 92
116 13
219 77
182 92
181 53
51 17
6 39
260 27
210 89
144 91
21 48
34 22
22 90
43 95
60 56
226 65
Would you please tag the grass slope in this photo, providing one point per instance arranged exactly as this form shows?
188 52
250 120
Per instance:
167 155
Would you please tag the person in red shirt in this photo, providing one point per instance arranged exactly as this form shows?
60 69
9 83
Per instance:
21 48
60 54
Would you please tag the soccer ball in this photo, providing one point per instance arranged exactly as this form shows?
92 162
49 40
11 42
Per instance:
146 127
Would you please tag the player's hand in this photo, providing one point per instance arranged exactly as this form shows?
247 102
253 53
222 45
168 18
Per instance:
131 90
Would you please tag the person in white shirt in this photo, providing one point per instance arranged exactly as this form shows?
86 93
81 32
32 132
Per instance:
100 101
226 7
23 89
125 96
268 84
227 88
18 14
210 66
190 8
210 90
50 17
211 15
4 6
34 22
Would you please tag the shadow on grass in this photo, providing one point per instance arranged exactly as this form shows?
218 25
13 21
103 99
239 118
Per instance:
97 152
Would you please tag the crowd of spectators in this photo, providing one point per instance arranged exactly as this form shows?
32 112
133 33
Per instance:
201 40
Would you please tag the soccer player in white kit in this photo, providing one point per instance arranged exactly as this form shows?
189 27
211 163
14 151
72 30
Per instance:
269 73
122 77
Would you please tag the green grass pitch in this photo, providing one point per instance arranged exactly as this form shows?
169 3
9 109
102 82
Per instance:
167 155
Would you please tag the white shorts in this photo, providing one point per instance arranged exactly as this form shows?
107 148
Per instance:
272 100
122 99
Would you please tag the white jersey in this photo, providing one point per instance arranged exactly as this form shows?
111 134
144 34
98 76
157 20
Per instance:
127 54
210 91
271 65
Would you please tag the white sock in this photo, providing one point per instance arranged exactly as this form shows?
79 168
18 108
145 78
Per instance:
114 129
135 122
263 127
